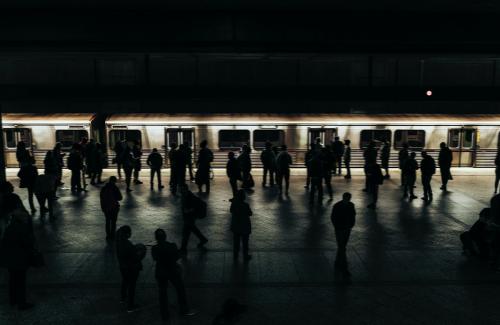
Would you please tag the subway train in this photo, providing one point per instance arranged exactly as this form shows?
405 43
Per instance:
474 139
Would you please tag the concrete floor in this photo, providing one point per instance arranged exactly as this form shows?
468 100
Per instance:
405 259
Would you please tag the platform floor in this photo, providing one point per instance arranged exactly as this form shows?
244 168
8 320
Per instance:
405 258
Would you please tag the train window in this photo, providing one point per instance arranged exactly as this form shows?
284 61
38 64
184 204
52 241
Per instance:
260 137
468 138
454 138
233 138
14 136
69 137
414 138
132 136
379 136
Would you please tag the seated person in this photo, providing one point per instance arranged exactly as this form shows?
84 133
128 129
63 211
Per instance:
475 240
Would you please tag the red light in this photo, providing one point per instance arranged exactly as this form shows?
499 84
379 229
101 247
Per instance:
428 92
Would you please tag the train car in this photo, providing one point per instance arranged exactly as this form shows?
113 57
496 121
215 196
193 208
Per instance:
41 132
473 139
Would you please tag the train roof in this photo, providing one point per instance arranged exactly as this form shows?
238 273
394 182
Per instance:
36 118
320 119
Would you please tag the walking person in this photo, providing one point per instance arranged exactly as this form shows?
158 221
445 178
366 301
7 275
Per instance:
205 158
110 205
44 189
100 163
328 161
497 171
410 176
427 169
27 178
307 159
343 219
268 159
75 165
347 158
245 163
166 255
155 162
233 172
445 158
374 179
119 150
130 267
91 162
137 154
338 149
188 154
128 163
23 155
241 225
283 163
58 157
192 209
403 154
370 156
385 155
315 171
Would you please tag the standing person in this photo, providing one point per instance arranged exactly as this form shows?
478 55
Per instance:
50 164
191 210
445 158
155 162
347 158
328 164
130 266
75 164
245 163
128 164
338 149
307 159
385 154
188 156
44 189
172 159
283 162
100 163
166 255
233 172
374 179
58 156
89 152
402 156
110 205
315 171
370 156
427 168
17 248
137 154
497 171
82 147
205 158
343 219
268 159
119 149
27 178
241 225
410 175
23 155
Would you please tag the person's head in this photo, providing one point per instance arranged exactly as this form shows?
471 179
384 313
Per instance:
346 197
284 147
173 145
125 232
21 145
371 144
230 155
424 154
181 147
203 144
112 180
413 154
405 145
160 235
442 145
245 148
155 150
347 142
268 145
337 138
58 146
240 195
7 188
318 140
84 140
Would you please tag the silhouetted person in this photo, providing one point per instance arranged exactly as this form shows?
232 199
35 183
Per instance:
128 163
283 162
445 158
17 248
475 241
50 164
374 180
385 154
307 159
343 219
137 154
245 163
347 158
370 156
100 162
427 169
83 147
188 154
338 149
233 172
89 152
205 158
110 205
130 266
497 171
191 210
166 255
119 150
75 165
10 202
315 169
268 159
172 159
27 178
410 175
328 164
23 155
44 189
155 162
241 225
58 156
403 154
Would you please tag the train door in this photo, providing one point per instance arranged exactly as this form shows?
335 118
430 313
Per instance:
462 143
11 138
326 135
179 136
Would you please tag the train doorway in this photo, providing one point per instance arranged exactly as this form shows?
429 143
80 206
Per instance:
462 143
179 136
326 135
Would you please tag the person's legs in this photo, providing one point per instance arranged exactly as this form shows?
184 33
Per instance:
124 285
236 245
339 164
119 169
107 215
163 296
328 182
374 190
411 184
30 199
41 203
286 175
190 167
280 181
272 174
132 281
198 233
152 177
264 176
178 284
128 177
348 169
340 260
158 176
186 233
308 179
313 189
136 174
50 203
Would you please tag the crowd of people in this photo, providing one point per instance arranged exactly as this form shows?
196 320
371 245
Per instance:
87 159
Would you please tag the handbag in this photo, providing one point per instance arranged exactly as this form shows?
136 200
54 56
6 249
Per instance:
36 259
